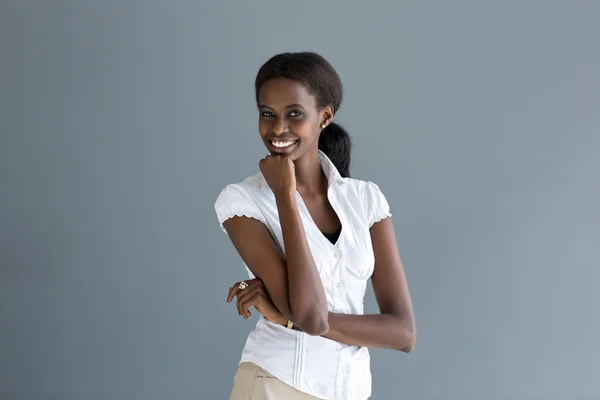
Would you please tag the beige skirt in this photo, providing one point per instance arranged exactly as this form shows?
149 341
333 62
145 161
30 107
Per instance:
251 382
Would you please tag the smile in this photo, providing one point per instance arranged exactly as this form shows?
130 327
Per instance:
282 144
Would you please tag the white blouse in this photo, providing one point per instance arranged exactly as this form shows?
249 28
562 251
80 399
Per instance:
313 364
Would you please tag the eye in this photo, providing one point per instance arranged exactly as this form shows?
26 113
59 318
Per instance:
296 113
266 114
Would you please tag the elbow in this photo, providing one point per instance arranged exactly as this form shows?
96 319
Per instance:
314 324
409 345
316 328
407 339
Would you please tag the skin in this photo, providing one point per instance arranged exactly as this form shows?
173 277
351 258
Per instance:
289 288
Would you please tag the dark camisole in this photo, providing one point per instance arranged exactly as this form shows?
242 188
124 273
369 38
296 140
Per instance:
333 237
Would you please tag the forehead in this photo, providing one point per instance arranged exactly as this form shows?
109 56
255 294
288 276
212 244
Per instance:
281 92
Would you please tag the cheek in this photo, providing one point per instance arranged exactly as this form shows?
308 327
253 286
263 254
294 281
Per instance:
262 128
304 129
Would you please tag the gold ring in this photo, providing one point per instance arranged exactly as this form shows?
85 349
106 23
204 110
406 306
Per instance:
243 285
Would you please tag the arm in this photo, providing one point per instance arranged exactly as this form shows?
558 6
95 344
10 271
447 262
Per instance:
306 291
395 327
294 287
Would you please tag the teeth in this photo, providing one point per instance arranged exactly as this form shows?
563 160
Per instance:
283 144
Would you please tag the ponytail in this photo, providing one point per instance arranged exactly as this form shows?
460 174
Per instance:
336 143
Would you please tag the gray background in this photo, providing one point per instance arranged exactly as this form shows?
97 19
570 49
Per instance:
122 120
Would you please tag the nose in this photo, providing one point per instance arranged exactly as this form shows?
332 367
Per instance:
279 126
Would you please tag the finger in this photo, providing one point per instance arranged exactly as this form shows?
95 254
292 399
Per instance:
249 300
249 291
244 295
240 310
236 288
232 291
247 303
229 296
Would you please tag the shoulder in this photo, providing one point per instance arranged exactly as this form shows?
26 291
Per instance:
240 199
362 187
370 197
247 187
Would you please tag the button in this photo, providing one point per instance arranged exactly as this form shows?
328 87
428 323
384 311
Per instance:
344 370
338 255
340 285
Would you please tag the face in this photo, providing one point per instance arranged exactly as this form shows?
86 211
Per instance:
289 120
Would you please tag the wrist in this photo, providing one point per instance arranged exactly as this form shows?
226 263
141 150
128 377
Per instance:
279 320
285 198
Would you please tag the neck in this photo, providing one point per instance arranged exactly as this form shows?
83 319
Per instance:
310 179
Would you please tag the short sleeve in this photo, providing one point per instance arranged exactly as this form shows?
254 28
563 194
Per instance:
376 205
234 201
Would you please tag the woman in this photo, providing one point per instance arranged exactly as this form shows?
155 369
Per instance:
311 237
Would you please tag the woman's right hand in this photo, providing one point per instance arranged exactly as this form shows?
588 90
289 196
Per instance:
280 174
255 295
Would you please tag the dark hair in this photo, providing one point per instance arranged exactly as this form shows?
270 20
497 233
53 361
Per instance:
323 82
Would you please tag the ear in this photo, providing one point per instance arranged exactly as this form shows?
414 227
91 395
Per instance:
327 117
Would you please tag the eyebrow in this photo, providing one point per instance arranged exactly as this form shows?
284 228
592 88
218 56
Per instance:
286 107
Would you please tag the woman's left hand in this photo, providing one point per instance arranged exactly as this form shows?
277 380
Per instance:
255 295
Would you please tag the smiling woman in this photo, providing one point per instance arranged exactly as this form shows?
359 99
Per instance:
311 237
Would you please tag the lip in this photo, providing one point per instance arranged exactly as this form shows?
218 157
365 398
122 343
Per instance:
282 150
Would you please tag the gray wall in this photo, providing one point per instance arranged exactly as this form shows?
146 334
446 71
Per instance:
122 120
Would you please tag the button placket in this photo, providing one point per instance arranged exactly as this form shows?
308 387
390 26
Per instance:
341 380
336 274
